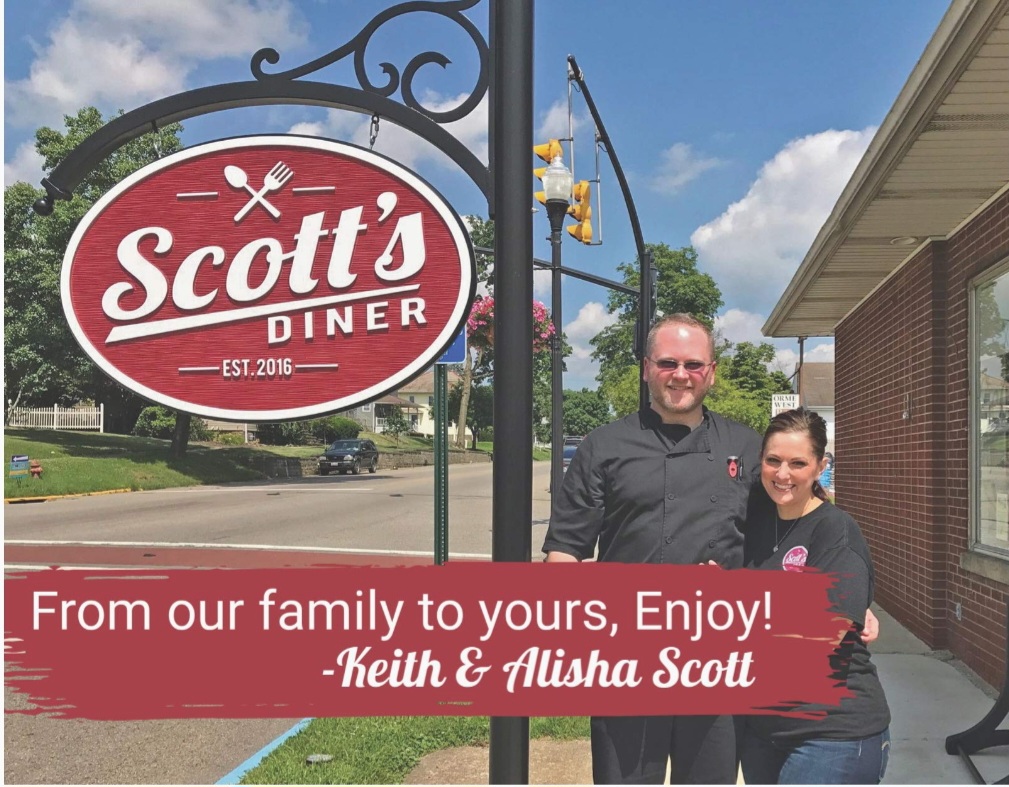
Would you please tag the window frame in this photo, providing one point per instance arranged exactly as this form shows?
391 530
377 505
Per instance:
995 271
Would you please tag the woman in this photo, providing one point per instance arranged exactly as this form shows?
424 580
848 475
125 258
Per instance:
850 744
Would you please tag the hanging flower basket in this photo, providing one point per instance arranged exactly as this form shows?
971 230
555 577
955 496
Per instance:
480 326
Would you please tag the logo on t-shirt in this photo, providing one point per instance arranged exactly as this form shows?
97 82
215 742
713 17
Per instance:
795 559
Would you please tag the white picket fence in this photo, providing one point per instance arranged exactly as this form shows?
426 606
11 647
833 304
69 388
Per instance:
58 417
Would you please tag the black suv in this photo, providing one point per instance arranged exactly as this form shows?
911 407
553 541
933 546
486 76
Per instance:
349 456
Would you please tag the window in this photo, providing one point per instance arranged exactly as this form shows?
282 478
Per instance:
990 410
366 408
430 401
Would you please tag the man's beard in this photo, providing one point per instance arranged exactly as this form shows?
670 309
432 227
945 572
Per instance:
687 399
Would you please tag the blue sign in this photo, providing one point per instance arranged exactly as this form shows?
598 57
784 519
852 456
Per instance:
456 352
18 467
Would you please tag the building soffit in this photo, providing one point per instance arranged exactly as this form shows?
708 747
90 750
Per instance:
939 155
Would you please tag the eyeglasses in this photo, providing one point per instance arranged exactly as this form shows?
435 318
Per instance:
669 365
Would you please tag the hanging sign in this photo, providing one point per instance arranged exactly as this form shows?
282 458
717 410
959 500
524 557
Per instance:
268 278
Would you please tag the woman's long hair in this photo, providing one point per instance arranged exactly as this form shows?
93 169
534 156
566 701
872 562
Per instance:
805 422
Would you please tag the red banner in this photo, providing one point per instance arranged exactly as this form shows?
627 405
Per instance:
460 639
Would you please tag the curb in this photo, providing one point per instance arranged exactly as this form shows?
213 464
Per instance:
61 497
236 775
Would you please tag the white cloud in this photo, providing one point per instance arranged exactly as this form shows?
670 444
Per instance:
542 285
755 246
555 122
554 125
678 166
785 359
26 165
738 326
581 368
120 53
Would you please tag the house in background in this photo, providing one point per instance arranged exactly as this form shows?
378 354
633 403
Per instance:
373 414
420 391
816 392
910 275
415 399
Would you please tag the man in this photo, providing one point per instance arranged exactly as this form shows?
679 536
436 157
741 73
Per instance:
669 484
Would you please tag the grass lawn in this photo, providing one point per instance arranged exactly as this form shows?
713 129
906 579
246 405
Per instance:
383 750
84 462
81 462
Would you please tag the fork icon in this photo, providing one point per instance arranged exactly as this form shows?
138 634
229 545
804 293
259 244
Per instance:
274 180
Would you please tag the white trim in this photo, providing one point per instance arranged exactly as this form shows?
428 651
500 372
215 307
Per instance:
897 269
949 236
410 179
974 543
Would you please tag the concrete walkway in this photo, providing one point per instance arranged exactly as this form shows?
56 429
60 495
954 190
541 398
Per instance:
930 697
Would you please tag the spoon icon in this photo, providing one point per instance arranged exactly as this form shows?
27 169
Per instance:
238 179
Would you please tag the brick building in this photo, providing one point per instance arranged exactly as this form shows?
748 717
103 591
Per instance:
910 274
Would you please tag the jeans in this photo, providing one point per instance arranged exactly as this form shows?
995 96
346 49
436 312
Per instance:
815 761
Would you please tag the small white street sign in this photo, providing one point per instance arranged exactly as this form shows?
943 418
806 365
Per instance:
782 402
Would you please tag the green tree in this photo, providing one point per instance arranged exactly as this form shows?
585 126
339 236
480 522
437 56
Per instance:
481 232
480 414
396 424
622 391
42 362
743 385
584 410
680 288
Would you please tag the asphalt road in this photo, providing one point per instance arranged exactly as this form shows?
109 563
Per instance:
351 518
391 510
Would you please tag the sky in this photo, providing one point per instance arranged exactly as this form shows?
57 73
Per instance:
737 122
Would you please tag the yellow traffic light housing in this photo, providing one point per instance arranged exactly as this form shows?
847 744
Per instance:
549 150
581 211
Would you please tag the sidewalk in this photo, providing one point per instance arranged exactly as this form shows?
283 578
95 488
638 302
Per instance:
930 698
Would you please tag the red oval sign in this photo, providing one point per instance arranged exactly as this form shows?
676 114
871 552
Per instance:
268 278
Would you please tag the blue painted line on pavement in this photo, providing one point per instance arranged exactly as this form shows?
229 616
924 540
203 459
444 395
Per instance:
236 775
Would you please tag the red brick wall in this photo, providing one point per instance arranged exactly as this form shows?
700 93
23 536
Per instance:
906 480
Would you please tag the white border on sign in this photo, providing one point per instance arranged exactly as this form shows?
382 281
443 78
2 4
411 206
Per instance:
434 351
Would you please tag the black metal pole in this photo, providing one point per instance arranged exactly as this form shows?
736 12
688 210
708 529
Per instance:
511 536
556 211
632 214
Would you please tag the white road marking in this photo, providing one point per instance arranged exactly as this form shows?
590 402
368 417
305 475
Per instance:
259 547
317 487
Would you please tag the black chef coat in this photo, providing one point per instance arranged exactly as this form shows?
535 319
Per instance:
657 493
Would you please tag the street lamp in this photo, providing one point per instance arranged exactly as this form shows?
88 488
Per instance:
557 183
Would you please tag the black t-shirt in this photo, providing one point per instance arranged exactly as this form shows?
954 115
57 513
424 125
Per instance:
827 539
650 492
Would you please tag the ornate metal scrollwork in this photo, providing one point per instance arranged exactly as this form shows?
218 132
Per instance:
358 45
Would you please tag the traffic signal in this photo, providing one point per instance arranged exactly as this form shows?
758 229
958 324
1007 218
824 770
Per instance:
581 212
548 152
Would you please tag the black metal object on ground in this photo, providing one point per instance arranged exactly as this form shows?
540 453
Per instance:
985 734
